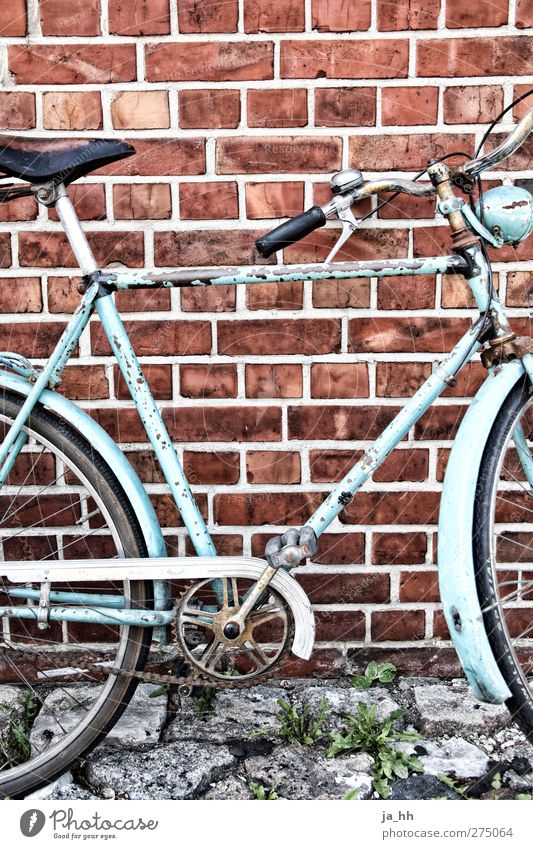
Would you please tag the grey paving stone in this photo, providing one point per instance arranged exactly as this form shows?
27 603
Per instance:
175 771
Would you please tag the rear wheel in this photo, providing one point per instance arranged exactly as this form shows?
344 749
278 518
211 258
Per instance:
503 548
58 695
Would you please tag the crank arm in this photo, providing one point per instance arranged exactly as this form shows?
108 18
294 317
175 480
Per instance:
173 569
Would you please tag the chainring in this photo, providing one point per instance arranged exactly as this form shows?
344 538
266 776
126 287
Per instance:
198 629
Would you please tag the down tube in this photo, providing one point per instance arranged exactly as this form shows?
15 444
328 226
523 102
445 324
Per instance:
394 432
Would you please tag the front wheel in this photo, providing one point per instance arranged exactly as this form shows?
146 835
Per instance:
503 547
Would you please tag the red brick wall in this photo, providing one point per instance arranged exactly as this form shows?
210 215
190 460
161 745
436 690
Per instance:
239 111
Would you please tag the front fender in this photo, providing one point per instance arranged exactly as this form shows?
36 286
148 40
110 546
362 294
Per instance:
103 445
457 583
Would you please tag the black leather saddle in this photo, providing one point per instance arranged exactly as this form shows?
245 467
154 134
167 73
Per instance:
59 160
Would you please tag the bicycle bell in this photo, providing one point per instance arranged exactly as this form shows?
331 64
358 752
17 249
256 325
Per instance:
507 213
344 181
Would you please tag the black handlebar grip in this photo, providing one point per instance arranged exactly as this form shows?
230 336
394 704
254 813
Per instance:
290 231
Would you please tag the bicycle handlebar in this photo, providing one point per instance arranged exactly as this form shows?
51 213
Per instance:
302 225
513 141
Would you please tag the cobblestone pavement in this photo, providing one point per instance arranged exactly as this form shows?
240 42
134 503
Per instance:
167 748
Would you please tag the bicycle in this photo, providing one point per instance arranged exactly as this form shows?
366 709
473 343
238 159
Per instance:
85 576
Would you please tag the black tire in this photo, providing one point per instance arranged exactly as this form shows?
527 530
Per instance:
498 604
78 457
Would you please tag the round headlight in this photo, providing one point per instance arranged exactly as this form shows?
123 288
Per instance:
508 212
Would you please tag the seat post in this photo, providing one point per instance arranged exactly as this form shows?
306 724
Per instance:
73 229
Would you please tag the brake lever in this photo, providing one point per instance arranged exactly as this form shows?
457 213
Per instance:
349 225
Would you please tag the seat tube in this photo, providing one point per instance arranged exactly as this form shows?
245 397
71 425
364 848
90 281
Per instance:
74 232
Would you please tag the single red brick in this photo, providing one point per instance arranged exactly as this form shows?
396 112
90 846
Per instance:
394 548
521 108
138 201
206 247
341 294
84 383
400 380
143 300
474 57
209 60
19 209
340 549
524 13
483 13
208 299
392 508
345 107
159 337
273 508
410 464
274 381
356 60
346 588
72 110
406 293
5 250
88 200
419 586
72 64
391 625
208 201
404 152
80 17
140 17
255 155
402 465
472 104
339 16
161 157
274 200
198 16
63 295
440 628
275 296
277 467
216 424
36 340
212 467
20 294
339 380
336 422
218 380
13 18
409 105
440 422
281 16
519 289
407 14
140 110
339 625
218 108
282 336
394 335
277 107
17 109
158 377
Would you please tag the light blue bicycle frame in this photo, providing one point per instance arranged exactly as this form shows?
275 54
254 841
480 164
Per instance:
457 591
